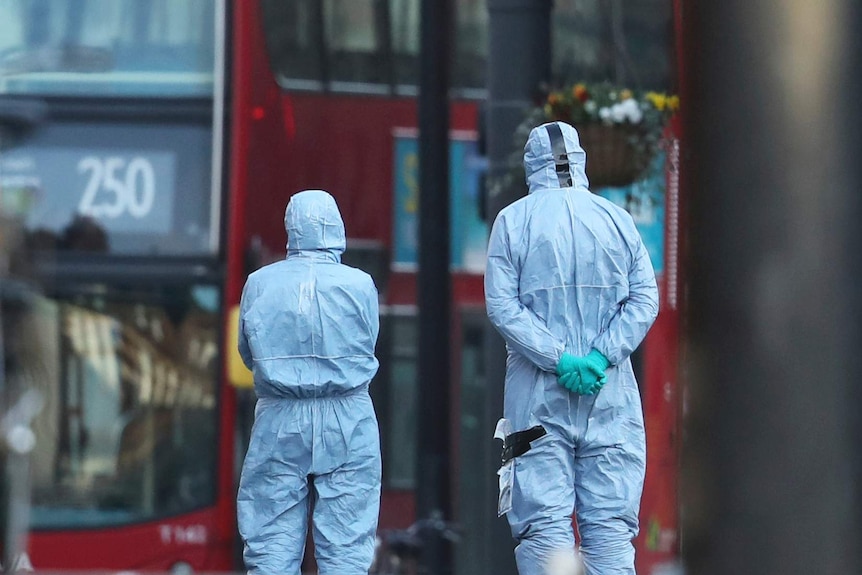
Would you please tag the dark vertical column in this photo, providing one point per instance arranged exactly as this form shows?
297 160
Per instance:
519 63
773 454
433 497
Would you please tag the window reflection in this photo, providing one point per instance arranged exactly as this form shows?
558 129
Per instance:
294 36
471 42
470 46
404 15
129 426
397 379
625 42
373 42
378 41
118 47
473 440
354 40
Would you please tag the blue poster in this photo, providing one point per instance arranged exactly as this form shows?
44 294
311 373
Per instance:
468 233
644 200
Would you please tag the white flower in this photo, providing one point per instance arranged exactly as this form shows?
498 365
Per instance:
622 112
590 107
629 104
631 111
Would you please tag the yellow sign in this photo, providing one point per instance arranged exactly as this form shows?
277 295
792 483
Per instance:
237 373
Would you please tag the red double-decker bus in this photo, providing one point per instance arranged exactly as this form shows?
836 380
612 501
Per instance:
174 133
121 199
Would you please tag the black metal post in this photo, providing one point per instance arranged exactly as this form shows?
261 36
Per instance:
433 489
519 63
772 459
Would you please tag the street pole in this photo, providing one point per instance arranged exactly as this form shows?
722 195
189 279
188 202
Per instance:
433 489
773 427
519 63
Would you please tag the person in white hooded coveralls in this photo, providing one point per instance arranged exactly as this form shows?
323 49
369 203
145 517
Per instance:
571 288
308 329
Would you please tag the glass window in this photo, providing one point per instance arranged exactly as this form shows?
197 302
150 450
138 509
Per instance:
397 410
115 187
374 42
471 42
404 18
107 47
472 444
628 43
294 30
129 378
326 41
355 41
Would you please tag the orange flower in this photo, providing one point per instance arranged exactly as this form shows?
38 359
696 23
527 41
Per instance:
580 92
553 99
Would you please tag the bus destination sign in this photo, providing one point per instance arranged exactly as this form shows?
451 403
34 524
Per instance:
123 190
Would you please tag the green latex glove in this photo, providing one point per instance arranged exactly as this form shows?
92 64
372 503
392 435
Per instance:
583 375
571 380
568 373
596 358
594 378
568 363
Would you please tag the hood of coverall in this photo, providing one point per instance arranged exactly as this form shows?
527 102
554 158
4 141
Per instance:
313 223
539 164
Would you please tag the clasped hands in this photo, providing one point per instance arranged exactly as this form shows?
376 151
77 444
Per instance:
583 375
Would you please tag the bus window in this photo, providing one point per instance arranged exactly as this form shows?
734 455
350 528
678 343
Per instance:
472 441
471 40
294 37
404 18
366 45
315 43
129 428
470 36
398 420
137 189
355 40
161 48
625 42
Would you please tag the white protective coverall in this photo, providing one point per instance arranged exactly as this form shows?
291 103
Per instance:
308 329
567 271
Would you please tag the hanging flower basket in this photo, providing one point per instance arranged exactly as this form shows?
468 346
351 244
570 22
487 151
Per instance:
612 156
620 130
